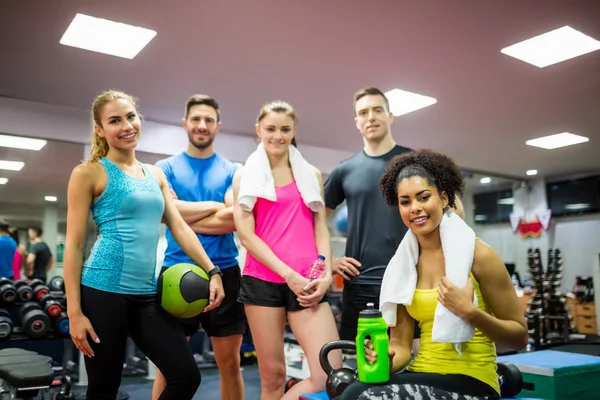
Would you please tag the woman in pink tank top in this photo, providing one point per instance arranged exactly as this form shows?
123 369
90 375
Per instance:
283 238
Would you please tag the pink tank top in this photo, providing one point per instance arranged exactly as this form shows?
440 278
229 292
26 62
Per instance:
16 264
287 227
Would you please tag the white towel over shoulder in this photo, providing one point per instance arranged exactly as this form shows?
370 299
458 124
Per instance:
400 278
257 180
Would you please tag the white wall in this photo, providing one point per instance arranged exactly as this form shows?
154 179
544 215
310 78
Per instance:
577 237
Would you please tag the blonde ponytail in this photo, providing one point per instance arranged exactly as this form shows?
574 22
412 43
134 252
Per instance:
99 144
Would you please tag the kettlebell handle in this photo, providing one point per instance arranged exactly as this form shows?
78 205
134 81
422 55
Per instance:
335 345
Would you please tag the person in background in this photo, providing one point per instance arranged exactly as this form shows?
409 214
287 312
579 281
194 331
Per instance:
283 237
200 181
8 247
39 258
113 295
20 255
374 229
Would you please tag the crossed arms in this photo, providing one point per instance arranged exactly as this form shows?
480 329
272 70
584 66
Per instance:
208 217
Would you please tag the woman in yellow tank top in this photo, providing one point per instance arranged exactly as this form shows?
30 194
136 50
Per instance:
423 185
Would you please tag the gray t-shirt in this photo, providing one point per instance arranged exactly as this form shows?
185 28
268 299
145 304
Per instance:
374 229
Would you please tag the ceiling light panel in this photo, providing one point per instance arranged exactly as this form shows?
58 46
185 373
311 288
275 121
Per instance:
553 47
18 142
404 102
107 37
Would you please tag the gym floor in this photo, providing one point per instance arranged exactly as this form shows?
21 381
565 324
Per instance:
141 389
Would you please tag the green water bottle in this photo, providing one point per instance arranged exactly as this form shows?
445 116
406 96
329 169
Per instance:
372 324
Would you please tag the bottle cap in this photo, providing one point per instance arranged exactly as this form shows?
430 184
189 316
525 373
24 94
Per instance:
322 258
370 312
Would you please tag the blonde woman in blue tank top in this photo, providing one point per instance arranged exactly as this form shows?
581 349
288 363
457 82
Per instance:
113 293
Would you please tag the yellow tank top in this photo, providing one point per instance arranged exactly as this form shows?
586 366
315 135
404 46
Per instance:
478 358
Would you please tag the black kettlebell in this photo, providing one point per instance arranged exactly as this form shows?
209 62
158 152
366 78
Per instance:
511 380
337 379
65 390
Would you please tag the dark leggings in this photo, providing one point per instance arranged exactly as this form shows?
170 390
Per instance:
114 316
412 385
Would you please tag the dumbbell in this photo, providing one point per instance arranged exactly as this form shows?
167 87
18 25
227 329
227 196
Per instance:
65 392
8 292
39 288
61 325
24 291
34 321
50 305
511 380
6 324
57 284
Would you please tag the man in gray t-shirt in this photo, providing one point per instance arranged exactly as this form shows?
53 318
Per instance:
374 229
39 257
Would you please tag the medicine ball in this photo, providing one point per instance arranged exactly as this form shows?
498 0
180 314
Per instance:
183 290
341 220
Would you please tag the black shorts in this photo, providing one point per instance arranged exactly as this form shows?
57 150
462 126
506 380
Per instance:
257 292
226 320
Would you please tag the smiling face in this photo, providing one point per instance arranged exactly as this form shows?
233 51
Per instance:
201 125
420 204
373 119
276 131
119 125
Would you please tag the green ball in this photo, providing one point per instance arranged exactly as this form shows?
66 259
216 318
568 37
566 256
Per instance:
183 290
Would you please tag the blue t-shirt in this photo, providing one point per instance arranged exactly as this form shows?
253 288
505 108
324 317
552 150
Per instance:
8 247
195 180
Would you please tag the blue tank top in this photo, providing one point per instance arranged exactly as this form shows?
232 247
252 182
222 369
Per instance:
128 214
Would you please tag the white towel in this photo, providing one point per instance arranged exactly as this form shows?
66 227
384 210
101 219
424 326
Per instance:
400 278
257 180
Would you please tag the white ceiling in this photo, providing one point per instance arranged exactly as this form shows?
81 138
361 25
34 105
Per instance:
316 54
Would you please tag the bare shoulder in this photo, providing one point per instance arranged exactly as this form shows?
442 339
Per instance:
155 170
485 259
87 172
484 251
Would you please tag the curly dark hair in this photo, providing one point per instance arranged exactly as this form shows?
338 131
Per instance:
439 170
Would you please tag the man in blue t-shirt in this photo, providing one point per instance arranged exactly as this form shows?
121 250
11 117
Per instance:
8 247
200 181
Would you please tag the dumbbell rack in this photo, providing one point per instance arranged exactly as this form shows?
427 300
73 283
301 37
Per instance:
548 318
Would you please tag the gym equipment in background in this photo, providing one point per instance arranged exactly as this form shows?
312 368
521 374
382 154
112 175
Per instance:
548 316
24 291
25 374
35 323
57 284
6 324
8 292
341 220
183 290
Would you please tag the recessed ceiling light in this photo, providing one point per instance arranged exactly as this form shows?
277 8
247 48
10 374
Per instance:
532 172
11 165
18 142
403 102
552 47
507 201
107 37
3 181
50 198
485 180
557 140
